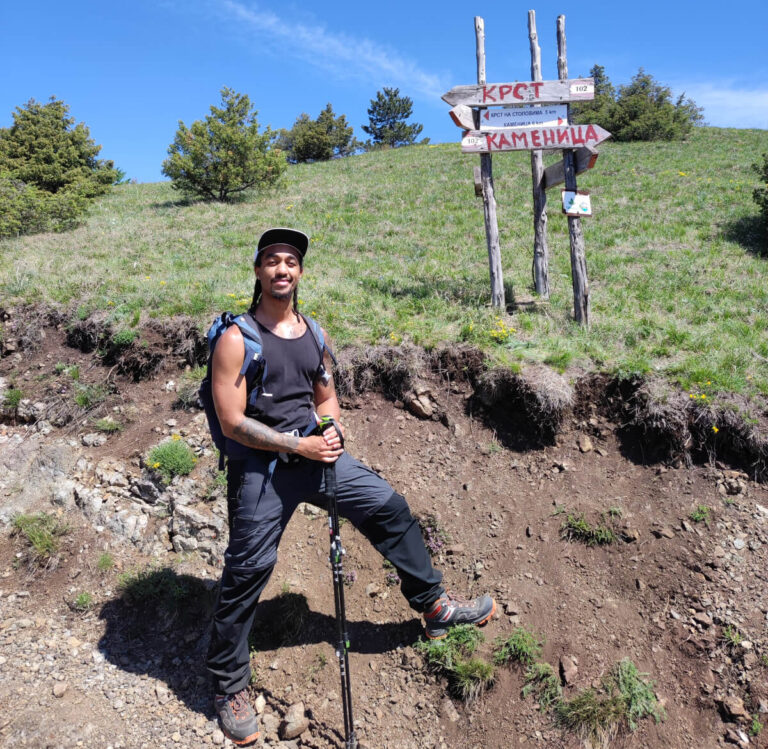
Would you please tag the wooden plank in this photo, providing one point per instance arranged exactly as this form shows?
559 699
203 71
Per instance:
522 92
530 138
584 158
477 176
486 180
463 116
540 265
579 279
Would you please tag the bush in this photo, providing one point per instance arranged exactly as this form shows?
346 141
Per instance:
320 139
224 154
171 458
760 195
642 110
48 170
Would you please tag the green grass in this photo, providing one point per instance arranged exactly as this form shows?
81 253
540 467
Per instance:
521 646
89 396
83 602
12 397
454 657
542 682
105 562
701 514
43 533
172 458
398 253
576 528
731 636
108 425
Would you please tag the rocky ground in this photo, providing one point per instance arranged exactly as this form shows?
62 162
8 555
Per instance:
685 600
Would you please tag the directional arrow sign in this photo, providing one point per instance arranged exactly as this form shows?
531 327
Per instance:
585 158
522 92
532 138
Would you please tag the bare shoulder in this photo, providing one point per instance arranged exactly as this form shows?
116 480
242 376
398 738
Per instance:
230 348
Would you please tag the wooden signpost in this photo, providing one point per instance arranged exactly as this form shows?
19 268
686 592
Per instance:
531 116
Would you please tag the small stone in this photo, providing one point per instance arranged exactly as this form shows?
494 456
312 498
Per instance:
703 619
93 439
372 590
295 722
217 737
733 708
584 443
60 689
176 737
448 711
640 585
739 543
259 704
568 670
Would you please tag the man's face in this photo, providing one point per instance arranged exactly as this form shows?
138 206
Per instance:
279 271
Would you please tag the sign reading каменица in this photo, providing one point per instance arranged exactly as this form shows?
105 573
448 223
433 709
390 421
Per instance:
532 138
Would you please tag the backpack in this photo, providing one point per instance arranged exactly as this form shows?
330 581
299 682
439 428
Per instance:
254 368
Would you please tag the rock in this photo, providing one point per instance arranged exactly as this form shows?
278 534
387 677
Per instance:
703 619
732 709
259 704
739 543
568 670
217 737
665 532
448 711
640 585
60 689
162 694
295 722
145 490
738 737
584 443
454 549
93 439
372 590
270 723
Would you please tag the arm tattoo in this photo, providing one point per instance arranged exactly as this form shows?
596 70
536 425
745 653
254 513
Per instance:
252 433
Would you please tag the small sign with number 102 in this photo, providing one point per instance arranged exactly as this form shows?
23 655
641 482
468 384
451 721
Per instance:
576 203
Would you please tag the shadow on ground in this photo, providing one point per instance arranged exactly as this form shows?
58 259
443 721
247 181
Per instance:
160 626
750 233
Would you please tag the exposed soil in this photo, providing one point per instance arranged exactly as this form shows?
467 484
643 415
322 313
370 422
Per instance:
663 594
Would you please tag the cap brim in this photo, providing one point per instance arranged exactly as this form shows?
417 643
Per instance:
282 235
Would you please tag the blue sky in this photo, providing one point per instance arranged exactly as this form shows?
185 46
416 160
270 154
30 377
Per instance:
130 71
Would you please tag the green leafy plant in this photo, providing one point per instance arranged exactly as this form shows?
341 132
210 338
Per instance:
89 396
700 514
453 657
521 646
731 636
60 367
756 726
171 458
387 119
576 528
541 681
318 140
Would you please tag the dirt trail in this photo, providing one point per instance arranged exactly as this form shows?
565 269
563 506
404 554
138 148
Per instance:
662 595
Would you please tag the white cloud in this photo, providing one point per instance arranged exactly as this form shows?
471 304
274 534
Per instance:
728 105
342 56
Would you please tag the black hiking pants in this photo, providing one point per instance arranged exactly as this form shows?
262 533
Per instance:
259 514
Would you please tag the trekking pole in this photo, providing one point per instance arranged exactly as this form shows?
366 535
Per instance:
337 552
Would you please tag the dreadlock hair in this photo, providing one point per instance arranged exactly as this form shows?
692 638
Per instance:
257 298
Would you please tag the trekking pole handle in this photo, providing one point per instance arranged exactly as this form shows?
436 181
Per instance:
326 422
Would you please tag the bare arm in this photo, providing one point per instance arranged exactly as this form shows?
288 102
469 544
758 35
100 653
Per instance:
230 398
326 401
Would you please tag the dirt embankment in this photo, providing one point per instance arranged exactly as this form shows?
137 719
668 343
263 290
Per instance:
498 460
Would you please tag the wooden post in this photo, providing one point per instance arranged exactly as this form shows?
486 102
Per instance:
540 267
578 254
486 176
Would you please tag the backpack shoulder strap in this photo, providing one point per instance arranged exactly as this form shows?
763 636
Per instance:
253 345
317 333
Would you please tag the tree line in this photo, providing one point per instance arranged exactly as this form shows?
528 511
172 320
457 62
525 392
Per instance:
49 170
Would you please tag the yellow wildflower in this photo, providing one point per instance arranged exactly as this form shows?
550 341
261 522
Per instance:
715 429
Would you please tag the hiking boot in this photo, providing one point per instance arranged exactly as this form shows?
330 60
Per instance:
238 721
450 610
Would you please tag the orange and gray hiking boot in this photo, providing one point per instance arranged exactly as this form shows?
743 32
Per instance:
237 718
450 610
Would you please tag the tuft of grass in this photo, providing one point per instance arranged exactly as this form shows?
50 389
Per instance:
756 726
542 682
188 387
43 533
468 677
731 636
108 425
625 698
171 458
701 514
123 338
576 528
105 562
521 646
89 396
83 602
12 398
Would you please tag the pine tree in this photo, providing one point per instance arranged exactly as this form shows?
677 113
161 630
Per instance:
225 153
387 117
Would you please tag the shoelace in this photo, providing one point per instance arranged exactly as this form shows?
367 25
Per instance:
239 706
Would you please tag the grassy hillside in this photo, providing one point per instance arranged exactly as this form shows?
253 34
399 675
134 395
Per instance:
398 253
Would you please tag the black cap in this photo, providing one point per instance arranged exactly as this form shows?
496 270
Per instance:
281 235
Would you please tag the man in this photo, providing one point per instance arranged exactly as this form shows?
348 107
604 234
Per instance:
263 491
